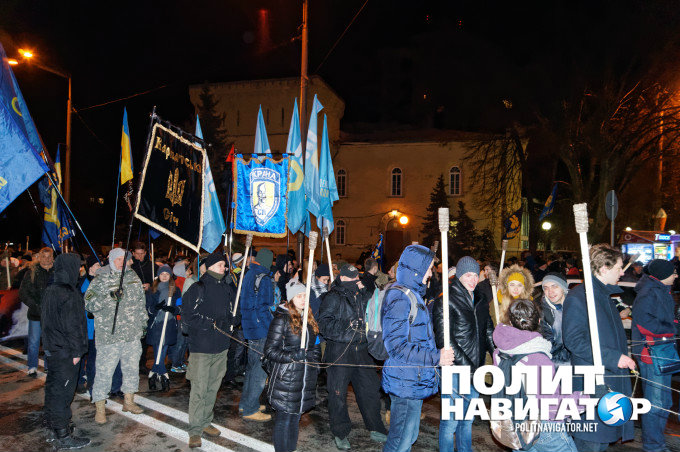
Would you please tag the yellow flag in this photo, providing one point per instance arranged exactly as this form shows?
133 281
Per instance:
125 152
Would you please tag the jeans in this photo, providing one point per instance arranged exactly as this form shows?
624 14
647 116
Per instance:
551 441
60 386
461 428
589 446
404 424
654 422
34 344
286 429
255 380
179 350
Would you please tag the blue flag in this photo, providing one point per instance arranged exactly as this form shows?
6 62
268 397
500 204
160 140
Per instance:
312 164
379 252
213 221
512 224
549 204
57 227
328 191
297 205
20 161
261 140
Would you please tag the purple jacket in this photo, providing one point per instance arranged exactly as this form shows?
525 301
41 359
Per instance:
512 341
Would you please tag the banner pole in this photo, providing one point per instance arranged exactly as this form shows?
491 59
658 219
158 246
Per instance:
249 241
313 235
165 324
115 211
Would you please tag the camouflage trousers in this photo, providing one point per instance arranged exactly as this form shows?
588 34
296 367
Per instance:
108 356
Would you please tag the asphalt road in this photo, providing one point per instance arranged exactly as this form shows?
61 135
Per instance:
162 426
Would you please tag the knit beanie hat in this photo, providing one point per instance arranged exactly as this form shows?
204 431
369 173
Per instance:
179 270
265 258
467 264
214 258
165 269
517 277
660 268
557 278
349 271
322 270
294 288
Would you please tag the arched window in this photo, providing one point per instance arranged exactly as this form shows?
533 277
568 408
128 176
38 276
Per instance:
454 181
396 182
341 182
340 231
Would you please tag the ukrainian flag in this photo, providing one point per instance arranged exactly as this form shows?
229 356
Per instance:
125 152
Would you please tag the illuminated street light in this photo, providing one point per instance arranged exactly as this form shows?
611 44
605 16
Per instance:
546 226
12 62
628 229
25 53
403 220
395 212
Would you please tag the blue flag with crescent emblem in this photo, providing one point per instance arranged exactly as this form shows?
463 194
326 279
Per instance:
213 221
328 190
512 224
56 222
312 164
261 140
297 205
20 161
549 204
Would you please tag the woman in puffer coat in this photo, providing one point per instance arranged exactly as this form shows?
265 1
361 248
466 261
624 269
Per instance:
292 381
515 282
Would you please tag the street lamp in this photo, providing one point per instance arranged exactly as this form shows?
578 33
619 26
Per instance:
28 55
628 229
403 220
12 62
546 226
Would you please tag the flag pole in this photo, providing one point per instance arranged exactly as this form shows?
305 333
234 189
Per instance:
115 211
313 235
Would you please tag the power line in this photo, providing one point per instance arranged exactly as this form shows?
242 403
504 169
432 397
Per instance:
341 36
126 97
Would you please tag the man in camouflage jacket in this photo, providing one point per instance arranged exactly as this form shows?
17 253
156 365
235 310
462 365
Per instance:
124 344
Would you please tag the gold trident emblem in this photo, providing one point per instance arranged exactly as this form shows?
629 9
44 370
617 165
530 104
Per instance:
175 188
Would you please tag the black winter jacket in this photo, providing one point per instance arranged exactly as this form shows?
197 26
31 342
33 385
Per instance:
143 270
206 302
64 328
32 288
341 322
292 385
470 328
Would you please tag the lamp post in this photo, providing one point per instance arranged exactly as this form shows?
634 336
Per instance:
28 57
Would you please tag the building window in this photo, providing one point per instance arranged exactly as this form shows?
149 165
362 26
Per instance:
340 231
396 185
341 182
454 181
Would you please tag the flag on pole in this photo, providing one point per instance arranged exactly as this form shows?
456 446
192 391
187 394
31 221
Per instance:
261 141
549 204
297 205
57 227
126 172
312 164
20 147
328 191
213 221
378 253
512 225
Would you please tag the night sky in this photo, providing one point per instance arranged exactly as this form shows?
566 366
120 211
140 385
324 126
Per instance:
467 56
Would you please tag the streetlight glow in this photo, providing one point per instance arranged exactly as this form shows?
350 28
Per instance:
403 220
12 62
629 228
546 226
26 53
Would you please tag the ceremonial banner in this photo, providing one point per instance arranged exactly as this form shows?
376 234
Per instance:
170 196
261 188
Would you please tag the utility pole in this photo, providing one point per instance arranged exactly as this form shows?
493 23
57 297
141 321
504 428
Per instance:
304 81
67 159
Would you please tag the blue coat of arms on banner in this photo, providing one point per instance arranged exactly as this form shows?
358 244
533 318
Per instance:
261 187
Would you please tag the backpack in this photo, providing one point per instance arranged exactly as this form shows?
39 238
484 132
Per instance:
376 344
183 323
518 434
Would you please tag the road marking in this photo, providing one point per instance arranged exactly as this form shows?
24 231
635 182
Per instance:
149 421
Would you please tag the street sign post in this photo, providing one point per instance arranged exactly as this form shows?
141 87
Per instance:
611 210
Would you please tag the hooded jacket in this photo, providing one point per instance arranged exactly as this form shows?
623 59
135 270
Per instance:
157 318
32 287
292 385
504 297
613 344
208 302
470 325
64 329
513 341
409 343
256 314
653 314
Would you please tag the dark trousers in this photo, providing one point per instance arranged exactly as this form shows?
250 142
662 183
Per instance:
87 364
366 385
286 429
60 388
236 356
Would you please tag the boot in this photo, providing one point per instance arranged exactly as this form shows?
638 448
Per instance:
152 381
130 405
67 441
165 383
100 415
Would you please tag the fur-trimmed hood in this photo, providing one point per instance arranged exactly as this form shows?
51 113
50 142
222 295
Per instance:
503 282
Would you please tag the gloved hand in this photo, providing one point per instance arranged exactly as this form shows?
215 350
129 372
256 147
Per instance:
171 309
300 354
90 315
160 305
357 325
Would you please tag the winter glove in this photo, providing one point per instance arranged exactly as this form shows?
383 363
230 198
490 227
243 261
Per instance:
171 309
160 305
90 315
300 354
357 324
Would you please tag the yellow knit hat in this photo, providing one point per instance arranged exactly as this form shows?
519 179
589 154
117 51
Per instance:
517 277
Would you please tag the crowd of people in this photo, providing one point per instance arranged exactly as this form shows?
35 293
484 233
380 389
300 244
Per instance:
97 318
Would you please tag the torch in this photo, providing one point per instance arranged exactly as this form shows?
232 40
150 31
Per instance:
493 280
165 324
249 241
313 235
504 248
444 229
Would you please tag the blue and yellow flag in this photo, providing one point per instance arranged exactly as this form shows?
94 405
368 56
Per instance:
379 252
513 224
126 173
213 221
312 164
549 204
297 205
20 147
56 222
328 190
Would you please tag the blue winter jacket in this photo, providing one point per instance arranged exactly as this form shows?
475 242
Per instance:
400 376
653 310
256 314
